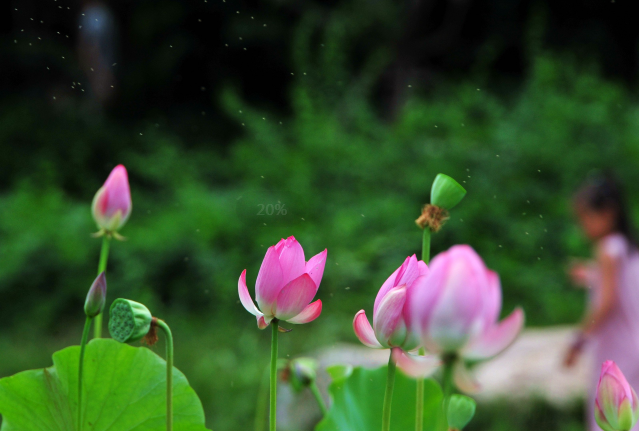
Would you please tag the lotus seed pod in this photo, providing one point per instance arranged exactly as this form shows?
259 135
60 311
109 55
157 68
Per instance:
446 192
96 297
461 410
129 321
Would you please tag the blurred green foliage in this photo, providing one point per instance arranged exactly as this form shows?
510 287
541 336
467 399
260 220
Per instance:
349 181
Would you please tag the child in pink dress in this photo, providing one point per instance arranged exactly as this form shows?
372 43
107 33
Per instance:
611 325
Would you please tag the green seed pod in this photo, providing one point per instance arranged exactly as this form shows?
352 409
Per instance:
461 410
129 321
446 192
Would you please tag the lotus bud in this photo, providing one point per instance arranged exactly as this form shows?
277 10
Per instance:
461 410
446 192
302 372
129 321
96 297
111 206
616 403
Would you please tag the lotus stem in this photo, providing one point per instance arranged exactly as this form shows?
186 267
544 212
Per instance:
169 373
102 265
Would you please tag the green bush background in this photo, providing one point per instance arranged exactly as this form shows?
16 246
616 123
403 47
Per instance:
350 181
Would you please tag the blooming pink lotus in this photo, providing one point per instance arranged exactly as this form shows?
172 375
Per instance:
391 312
285 286
616 403
112 203
456 316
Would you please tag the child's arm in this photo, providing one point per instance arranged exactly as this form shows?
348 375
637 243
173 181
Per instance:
582 272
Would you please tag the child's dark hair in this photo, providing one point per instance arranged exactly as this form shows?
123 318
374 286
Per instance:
602 192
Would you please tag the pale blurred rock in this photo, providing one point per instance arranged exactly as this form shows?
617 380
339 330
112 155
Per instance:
531 367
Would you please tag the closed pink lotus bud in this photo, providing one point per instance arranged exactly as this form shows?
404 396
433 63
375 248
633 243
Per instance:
457 314
616 403
112 203
391 312
285 286
94 304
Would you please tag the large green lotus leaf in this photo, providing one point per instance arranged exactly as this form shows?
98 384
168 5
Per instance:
124 390
358 398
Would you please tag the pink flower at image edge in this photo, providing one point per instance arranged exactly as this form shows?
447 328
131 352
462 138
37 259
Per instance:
616 403
286 284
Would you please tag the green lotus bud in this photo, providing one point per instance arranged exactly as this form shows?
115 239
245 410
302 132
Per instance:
129 321
302 372
446 192
96 297
461 410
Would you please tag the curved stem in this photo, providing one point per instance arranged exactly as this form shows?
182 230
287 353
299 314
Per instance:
388 396
169 373
102 265
273 409
318 397
419 392
83 343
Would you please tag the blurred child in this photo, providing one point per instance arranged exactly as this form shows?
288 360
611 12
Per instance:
611 324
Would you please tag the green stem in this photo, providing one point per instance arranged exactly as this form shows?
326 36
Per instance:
448 385
83 343
426 245
388 396
318 397
419 391
104 257
273 409
169 373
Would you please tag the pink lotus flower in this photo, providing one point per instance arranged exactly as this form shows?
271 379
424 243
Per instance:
616 403
285 286
456 315
391 312
112 203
